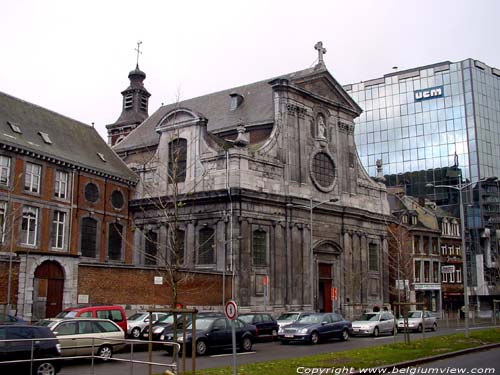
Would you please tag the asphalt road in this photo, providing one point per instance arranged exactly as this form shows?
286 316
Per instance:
483 362
261 352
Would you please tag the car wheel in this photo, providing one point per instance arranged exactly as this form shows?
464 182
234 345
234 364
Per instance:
420 328
105 352
345 335
136 333
45 368
201 348
434 327
314 338
376 332
246 344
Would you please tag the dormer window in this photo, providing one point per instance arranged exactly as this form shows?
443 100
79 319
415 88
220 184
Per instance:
15 128
235 101
101 156
45 138
128 100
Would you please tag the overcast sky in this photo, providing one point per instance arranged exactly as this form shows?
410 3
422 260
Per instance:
73 57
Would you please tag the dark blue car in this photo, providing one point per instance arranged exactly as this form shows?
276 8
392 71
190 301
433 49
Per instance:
315 327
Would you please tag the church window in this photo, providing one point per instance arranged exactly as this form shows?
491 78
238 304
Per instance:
115 241
373 257
206 246
151 248
32 177
117 200
88 245
91 192
323 169
177 156
259 247
4 170
128 101
29 225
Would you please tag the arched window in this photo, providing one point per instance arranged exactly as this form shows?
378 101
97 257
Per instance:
177 155
88 245
206 247
115 241
259 248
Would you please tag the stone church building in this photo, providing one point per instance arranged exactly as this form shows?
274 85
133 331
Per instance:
263 186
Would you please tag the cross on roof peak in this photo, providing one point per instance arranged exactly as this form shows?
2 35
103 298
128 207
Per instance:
138 49
321 51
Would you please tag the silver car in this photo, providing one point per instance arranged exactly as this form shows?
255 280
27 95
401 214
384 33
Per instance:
288 318
417 321
374 323
82 336
137 322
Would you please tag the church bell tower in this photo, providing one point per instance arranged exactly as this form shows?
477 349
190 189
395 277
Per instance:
134 105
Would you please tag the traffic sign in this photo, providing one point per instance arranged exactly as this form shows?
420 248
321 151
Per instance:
231 310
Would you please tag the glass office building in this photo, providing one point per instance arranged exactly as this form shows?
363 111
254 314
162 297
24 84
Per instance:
421 123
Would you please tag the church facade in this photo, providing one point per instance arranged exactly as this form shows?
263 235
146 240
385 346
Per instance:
261 185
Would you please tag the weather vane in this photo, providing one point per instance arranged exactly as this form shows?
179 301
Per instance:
138 49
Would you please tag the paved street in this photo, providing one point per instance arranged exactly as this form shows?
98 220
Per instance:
479 362
261 352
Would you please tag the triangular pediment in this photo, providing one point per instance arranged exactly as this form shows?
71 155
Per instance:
322 84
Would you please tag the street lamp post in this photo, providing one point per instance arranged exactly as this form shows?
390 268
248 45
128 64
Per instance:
464 260
311 207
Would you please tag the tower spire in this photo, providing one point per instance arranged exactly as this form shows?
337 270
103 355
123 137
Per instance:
138 50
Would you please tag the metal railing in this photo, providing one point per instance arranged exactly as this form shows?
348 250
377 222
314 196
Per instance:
96 343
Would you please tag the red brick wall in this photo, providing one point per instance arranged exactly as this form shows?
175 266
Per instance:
135 286
4 277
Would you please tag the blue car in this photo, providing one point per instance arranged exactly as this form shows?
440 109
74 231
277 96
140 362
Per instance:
316 327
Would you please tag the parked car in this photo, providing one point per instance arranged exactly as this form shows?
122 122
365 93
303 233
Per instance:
374 323
417 321
46 350
116 313
215 332
267 326
315 327
166 322
82 336
11 319
290 317
137 322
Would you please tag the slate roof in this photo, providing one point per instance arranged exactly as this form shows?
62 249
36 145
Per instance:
257 108
73 142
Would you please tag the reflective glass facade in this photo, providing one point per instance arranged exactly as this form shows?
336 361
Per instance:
418 119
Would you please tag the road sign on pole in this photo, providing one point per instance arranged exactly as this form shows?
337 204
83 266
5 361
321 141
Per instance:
231 310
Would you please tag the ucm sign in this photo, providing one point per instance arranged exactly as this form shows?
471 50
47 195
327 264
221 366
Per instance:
430 93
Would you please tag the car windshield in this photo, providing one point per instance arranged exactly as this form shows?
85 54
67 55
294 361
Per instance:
288 316
246 318
311 319
370 317
136 316
166 318
201 324
66 314
415 314
45 323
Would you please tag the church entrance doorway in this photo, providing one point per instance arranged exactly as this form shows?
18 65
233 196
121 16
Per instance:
325 287
48 290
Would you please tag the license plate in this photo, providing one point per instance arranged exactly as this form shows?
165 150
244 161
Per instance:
288 336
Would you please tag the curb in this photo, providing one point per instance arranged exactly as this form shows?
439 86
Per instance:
433 358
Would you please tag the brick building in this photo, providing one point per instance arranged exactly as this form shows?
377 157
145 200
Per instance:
262 184
63 209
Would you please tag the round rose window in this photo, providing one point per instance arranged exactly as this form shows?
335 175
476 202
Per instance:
323 169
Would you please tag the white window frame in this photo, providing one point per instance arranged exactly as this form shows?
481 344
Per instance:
3 220
61 184
5 163
32 177
458 276
58 230
31 214
444 250
444 277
